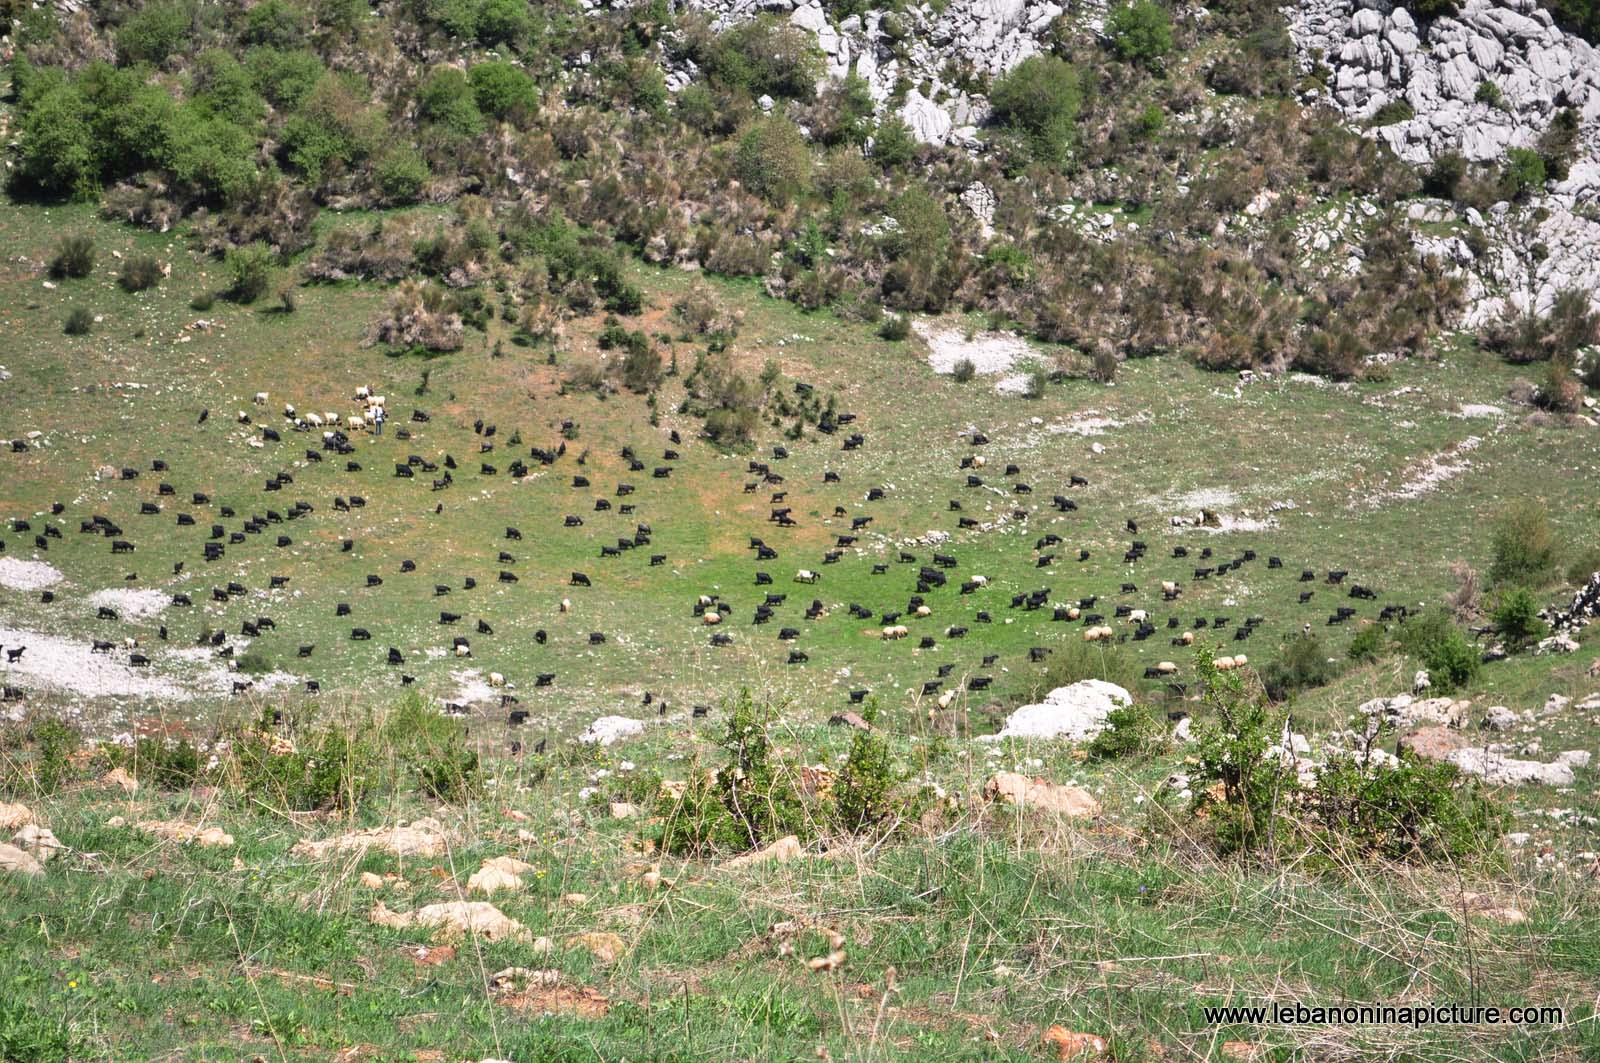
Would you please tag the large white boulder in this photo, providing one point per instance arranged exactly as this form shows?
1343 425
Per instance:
1077 712
610 729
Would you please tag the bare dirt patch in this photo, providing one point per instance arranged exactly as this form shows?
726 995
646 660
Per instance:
18 574
991 354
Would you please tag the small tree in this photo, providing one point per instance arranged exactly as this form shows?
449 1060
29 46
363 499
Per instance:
1525 552
1140 33
1040 99
249 270
1516 619
773 160
140 272
1234 744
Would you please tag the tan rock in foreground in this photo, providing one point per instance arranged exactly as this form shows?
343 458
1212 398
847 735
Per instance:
15 861
779 852
14 816
425 838
465 917
1039 795
175 830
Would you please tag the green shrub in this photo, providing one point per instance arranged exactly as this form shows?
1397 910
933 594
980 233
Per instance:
401 174
1393 112
1586 564
203 301
1417 810
140 272
1524 548
300 766
433 747
894 144
1369 644
254 662
895 327
447 98
861 795
1301 665
502 22
1040 99
286 78
27 1034
1140 32
1444 177
164 763
1516 619
1077 660
503 90
249 270
1130 731
1488 92
79 321
765 56
1444 650
964 371
155 32
773 160
754 799
73 257
1521 174
274 24
1233 739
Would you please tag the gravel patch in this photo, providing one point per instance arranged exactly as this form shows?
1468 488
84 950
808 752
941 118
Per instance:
67 664
19 575
131 604
991 354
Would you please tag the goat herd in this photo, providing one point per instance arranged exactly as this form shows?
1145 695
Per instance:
920 607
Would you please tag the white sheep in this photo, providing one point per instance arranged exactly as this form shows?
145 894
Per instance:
706 601
377 400
463 650
1223 664
981 581
261 398
805 575
1166 667
355 424
1187 638
566 605
330 416
895 631
979 461
363 392
288 410
711 618
1168 587
496 679
1073 612
242 417
1138 616
924 612
1421 681
315 420
1099 633
946 699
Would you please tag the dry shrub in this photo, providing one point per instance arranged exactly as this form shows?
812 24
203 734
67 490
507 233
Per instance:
143 201
419 314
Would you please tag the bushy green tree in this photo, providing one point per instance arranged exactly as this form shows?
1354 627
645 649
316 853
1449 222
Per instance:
447 98
401 174
765 56
285 78
1522 173
1140 32
249 271
1525 551
503 90
155 32
274 24
774 160
1040 99
1516 618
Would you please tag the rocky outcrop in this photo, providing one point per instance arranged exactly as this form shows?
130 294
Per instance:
1489 78
1379 54
921 45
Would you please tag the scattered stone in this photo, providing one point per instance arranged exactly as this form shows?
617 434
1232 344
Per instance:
1069 1044
1433 743
18 862
849 719
14 816
1485 906
41 842
499 873
425 838
624 810
1501 770
602 945
174 830
781 851
1039 795
1243 1051
456 917
121 779
1499 718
